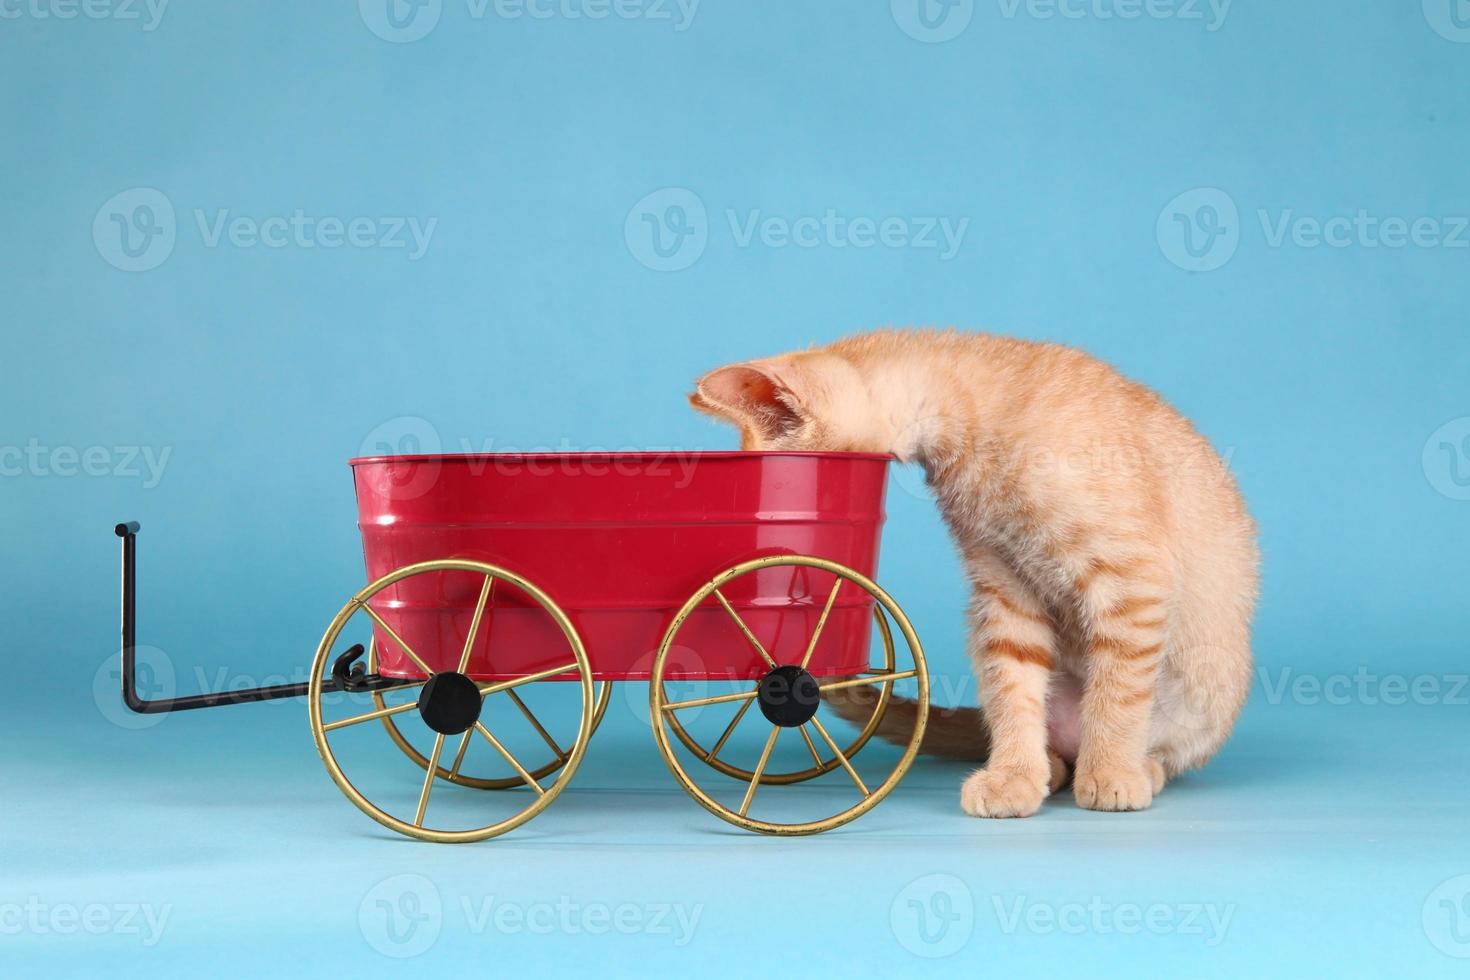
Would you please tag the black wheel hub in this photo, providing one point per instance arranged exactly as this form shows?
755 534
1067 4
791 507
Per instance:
788 696
450 703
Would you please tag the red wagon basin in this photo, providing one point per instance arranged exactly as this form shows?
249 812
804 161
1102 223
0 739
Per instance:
620 541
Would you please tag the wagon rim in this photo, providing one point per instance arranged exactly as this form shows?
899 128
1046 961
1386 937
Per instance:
661 709
543 795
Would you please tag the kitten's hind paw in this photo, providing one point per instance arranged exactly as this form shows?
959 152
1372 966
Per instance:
1060 772
1002 793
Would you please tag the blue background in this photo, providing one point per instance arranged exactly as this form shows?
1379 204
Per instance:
534 320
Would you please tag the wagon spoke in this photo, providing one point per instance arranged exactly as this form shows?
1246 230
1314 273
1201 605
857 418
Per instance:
811 747
546 736
729 730
743 628
822 731
811 647
869 679
514 763
429 774
464 744
332 726
498 686
392 635
486 591
717 699
760 768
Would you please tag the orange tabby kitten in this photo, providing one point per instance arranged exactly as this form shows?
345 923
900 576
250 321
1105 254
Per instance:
1112 559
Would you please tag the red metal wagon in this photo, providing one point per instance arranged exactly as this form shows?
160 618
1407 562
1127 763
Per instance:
492 573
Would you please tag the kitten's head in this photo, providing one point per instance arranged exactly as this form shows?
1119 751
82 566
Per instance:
811 400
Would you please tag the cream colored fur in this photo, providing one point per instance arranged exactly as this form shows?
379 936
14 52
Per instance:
1112 560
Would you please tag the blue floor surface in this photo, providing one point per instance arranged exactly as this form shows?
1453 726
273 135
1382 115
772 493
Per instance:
1328 839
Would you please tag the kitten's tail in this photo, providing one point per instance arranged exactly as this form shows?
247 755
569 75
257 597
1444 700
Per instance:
955 733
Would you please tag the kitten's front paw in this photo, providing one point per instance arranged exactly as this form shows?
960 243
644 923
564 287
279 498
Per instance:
1002 793
1114 788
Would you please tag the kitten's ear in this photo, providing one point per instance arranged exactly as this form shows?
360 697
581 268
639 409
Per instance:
754 396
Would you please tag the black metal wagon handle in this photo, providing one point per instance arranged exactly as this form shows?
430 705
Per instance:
347 673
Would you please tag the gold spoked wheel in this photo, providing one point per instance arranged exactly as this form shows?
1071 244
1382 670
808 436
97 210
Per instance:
461 778
711 757
663 710
452 701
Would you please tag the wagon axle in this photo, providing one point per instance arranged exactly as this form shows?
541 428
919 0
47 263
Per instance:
450 703
789 696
